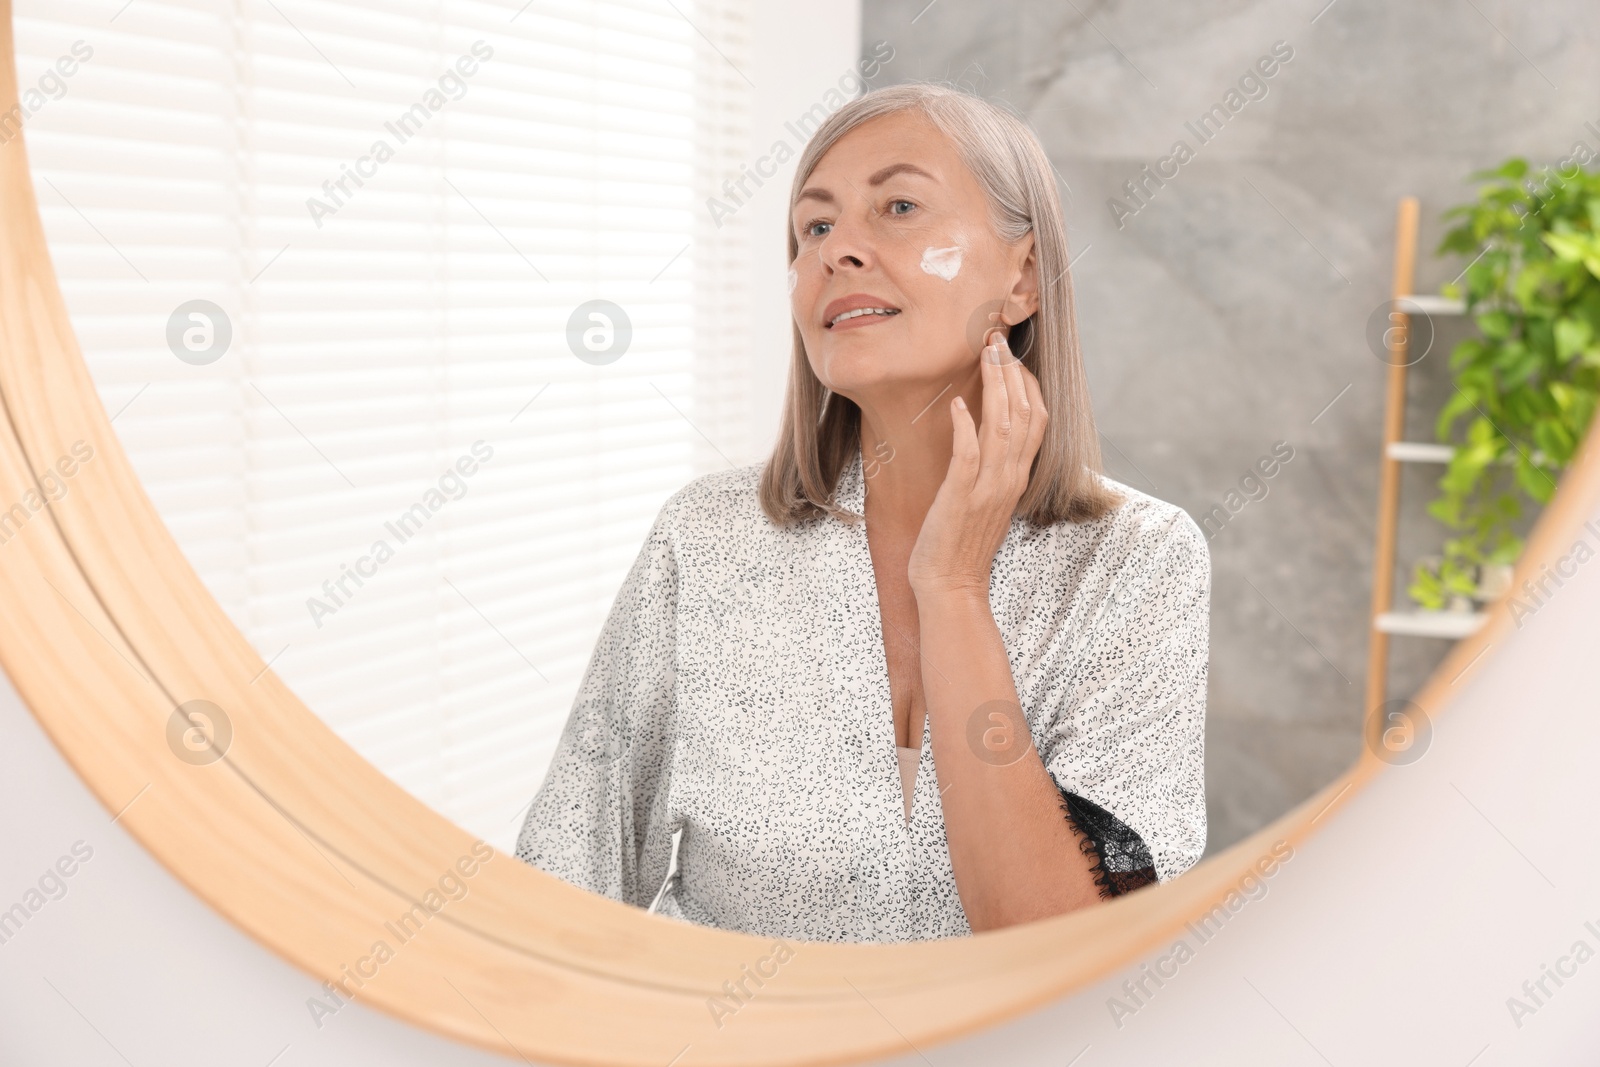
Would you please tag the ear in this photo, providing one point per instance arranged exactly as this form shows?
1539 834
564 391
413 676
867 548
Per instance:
1023 298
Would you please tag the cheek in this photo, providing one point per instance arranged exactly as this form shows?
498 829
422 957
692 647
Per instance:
954 303
963 290
802 289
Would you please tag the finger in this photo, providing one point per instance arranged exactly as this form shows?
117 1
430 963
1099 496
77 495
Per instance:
964 450
1018 404
995 435
1032 415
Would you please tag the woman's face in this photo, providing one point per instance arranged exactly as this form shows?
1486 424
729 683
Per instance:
892 219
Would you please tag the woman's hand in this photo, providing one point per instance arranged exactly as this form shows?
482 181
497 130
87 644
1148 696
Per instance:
989 469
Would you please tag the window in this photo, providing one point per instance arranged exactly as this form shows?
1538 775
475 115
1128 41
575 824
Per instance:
393 440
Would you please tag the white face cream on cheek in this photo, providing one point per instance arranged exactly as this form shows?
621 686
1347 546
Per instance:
942 262
794 280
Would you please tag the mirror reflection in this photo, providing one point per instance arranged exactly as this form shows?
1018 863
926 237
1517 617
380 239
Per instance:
758 466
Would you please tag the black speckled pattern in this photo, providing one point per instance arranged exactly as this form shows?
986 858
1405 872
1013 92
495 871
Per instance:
739 688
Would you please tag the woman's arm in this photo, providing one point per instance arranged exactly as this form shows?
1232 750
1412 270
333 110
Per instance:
1016 857
589 824
1016 849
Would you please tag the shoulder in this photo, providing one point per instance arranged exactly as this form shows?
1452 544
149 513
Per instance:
722 504
1147 529
731 488
1143 551
1140 531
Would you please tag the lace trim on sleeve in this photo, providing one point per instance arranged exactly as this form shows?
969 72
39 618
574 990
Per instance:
1122 861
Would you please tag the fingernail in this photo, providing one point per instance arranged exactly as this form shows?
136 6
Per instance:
991 354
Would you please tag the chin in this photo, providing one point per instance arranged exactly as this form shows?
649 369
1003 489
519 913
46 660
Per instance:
864 368
862 372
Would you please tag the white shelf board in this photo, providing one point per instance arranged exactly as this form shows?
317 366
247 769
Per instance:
1430 304
1427 452
1420 452
1453 625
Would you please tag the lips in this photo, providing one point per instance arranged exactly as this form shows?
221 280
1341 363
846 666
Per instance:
857 309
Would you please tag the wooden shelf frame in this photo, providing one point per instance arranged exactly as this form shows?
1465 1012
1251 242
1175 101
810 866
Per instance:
1396 451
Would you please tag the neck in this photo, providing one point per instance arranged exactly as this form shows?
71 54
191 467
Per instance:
906 447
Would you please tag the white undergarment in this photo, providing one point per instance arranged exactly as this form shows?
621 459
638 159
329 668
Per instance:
909 759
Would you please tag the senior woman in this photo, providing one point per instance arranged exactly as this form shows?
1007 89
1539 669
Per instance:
926 670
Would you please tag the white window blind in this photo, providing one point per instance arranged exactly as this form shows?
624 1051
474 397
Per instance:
381 328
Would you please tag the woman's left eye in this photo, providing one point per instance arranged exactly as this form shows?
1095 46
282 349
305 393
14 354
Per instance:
895 204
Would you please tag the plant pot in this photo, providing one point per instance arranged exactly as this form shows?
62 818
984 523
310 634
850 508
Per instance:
1494 582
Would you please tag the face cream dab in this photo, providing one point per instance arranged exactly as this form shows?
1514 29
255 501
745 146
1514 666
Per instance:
943 262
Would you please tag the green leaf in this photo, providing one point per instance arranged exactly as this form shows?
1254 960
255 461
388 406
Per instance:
1513 168
1457 406
1480 285
1527 287
1495 324
1535 482
1582 248
1572 336
1446 509
1565 396
1467 351
1425 588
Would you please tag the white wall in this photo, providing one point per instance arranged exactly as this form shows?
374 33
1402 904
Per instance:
800 51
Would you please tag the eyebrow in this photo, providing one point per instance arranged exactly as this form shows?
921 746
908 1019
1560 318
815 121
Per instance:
878 178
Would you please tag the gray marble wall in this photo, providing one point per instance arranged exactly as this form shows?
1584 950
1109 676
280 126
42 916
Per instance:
1228 312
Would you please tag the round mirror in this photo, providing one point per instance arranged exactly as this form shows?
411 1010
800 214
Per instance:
750 486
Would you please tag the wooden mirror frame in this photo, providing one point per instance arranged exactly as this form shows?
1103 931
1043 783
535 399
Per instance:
307 847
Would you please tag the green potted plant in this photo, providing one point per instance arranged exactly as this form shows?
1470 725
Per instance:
1526 387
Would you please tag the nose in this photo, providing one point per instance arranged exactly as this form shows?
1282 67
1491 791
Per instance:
850 245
